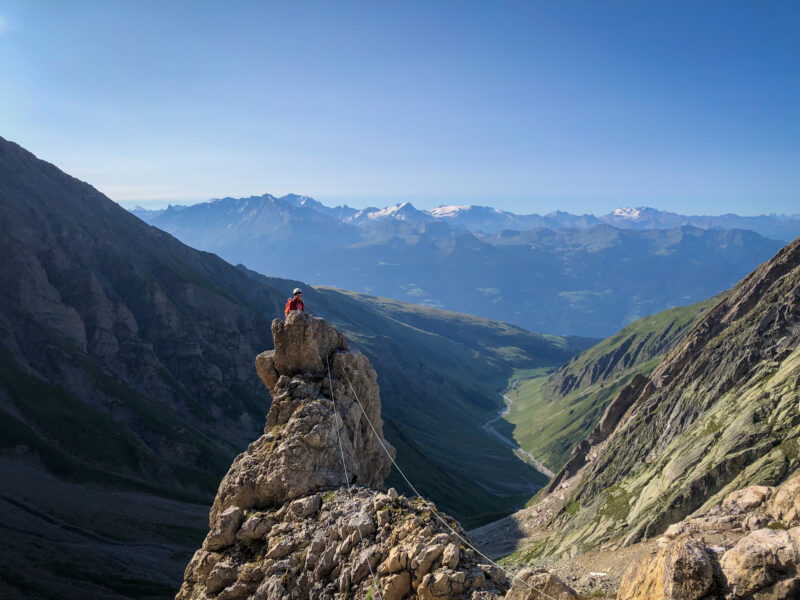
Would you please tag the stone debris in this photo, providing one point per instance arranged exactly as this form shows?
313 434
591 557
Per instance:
758 557
539 584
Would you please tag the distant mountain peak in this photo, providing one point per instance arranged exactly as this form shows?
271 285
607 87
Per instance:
449 211
456 210
402 211
627 212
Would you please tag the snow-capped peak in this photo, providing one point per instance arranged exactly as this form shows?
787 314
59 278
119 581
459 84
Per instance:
448 211
389 211
627 213
403 211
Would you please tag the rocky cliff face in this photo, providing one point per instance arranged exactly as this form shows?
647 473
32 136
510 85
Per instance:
719 412
290 520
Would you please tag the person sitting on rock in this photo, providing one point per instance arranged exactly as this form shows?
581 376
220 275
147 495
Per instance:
295 302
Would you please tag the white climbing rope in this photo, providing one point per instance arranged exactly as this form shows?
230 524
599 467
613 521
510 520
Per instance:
347 478
427 504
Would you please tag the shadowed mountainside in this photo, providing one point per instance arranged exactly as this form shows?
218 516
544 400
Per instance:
127 387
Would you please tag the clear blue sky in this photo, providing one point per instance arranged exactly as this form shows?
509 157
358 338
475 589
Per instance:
528 106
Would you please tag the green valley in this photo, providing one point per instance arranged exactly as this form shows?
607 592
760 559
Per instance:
551 413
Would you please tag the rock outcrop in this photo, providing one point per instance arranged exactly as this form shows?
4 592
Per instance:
746 548
287 524
299 451
540 584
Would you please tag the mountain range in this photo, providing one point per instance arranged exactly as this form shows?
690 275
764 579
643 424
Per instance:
486 219
587 281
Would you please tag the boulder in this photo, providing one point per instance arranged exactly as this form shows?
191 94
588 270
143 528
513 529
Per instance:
759 560
746 499
396 561
539 584
422 562
679 570
225 528
255 528
303 507
304 343
221 576
753 561
785 504
395 587
450 556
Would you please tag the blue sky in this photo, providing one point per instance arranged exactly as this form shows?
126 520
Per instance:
528 106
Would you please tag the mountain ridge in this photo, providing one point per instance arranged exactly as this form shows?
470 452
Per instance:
552 413
575 281
490 220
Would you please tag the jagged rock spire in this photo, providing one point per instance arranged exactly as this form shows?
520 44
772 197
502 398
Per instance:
285 525
300 450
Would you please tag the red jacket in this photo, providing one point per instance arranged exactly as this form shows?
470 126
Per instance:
294 304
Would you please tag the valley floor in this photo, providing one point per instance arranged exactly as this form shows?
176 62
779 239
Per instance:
596 573
512 443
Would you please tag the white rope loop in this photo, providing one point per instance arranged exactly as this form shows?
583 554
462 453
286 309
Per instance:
347 477
428 505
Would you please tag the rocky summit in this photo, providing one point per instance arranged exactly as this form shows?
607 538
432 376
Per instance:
288 523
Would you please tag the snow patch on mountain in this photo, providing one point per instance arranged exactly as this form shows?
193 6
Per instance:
457 210
448 211
405 211
627 213
390 211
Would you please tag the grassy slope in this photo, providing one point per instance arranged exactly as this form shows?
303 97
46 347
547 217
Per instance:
549 421
748 437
